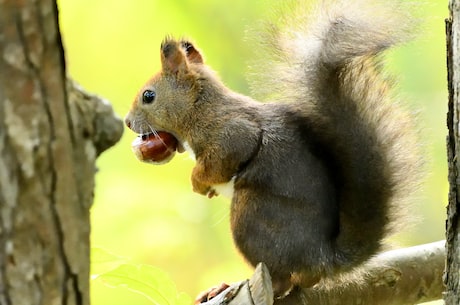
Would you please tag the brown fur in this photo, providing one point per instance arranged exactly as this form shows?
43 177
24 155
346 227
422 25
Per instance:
318 176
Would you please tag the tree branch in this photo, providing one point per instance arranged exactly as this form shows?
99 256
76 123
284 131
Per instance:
404 276
95 118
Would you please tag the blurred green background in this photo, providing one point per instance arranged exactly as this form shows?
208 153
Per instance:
149 213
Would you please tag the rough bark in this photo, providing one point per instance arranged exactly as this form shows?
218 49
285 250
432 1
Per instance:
400 277
452 275
50 135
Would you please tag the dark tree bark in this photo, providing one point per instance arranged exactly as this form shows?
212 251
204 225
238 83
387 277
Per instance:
50 135
452 275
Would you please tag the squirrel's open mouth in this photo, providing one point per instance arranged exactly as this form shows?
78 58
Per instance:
156 147
166 139
162 136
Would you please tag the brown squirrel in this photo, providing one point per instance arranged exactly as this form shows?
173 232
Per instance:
317 176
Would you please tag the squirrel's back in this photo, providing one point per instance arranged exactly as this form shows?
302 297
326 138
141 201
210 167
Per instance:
329 62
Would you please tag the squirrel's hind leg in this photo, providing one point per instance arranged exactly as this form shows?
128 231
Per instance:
282 286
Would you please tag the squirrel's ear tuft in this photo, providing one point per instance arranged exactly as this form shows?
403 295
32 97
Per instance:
193 55
173 58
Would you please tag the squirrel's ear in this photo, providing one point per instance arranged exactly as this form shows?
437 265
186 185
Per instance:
173 58
193 55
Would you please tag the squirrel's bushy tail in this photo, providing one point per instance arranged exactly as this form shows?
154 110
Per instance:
329 60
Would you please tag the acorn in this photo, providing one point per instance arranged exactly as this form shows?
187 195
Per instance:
156 148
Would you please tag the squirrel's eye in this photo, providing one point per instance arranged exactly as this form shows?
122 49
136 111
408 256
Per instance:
148 96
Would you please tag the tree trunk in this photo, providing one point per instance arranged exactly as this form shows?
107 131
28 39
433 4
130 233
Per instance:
452 275
50 136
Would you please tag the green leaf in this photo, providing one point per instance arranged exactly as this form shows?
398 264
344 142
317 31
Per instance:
103 261
183 299
146 280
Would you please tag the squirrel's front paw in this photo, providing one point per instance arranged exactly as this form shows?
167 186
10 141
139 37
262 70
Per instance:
203 189
199 187
211 193
210 293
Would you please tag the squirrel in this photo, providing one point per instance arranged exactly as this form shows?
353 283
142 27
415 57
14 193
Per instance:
318 174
